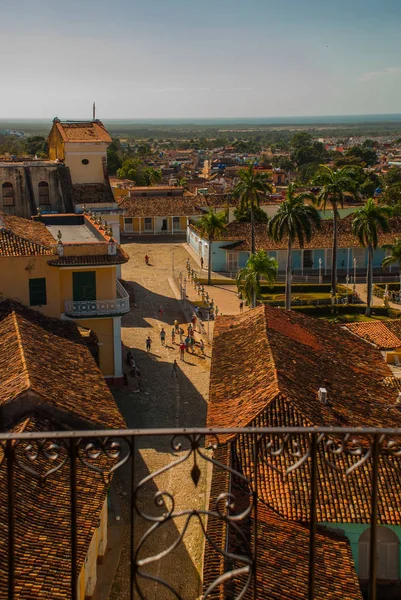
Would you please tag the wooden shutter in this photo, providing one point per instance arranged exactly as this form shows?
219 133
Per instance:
84 286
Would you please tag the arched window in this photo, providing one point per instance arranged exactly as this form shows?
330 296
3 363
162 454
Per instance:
388 553
43 193
8 194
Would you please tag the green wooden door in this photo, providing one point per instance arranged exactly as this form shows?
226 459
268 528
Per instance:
84 285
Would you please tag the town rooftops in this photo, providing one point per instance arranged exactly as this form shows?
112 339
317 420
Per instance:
386 335
283 547
47 369
269 352
82 131
162 206
42 517
267 370
322 238
22 237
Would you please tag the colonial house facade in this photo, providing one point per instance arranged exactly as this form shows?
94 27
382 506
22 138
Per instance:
65 266
231 251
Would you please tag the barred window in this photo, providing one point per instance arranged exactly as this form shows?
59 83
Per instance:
44 197
37 292
8 194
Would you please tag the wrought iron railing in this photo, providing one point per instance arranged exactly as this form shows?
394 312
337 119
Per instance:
39 457
99 308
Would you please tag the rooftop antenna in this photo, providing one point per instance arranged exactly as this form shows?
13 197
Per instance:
94 111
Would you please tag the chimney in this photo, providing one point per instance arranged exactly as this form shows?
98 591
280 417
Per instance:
322 395
93 111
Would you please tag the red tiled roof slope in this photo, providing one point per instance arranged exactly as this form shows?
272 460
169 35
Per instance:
283 555
48 359
269 351
322 238
23 237
119 258
341 498
89 131
163 206
42 522
376 332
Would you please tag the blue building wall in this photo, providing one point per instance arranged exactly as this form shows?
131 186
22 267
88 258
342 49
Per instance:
345 256
353 531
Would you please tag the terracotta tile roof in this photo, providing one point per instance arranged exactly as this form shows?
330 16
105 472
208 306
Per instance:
46 366
42 523
283 548
269 351
23 237
89 193
163 206
90 131
376 332
341 498
321 239
95 259
267 367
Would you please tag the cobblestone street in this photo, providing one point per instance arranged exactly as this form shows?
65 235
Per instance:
166 399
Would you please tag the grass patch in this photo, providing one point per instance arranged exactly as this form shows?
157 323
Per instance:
349 314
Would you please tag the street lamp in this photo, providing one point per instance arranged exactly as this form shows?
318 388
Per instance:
320 270
354 263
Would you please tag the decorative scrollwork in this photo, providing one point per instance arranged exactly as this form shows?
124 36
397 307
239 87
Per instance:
104 455
173 523
40 453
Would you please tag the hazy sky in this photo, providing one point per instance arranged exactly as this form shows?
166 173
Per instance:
199 58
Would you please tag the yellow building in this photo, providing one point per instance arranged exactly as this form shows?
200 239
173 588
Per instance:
65 267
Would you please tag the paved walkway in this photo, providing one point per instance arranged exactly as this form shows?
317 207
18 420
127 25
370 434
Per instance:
168 398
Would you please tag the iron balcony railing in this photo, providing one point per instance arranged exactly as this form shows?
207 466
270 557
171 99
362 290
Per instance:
99 308
154 507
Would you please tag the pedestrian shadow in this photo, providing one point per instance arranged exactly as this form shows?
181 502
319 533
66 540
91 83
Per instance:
168 398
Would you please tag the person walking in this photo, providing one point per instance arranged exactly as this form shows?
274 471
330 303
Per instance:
182 351
176 325
138 377
163 337
202 346
241 307
160 312
173 335
148 343
181 332
129 357
188 264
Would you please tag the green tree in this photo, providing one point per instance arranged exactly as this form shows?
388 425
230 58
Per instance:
129 169
301 139
392 176
392 195
367 223
152 175
211 225
294 220
395 253
251 187
243 215
37 146
258 266
367 155
334 184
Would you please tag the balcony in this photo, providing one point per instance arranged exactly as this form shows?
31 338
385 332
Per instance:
161 517
99 308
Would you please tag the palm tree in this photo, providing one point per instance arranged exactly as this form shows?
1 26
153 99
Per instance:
395 255
251 187
294 220
182 182
366 224
211 225
248 279
334 183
